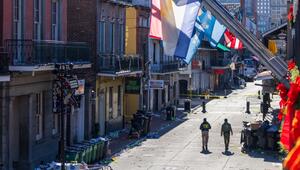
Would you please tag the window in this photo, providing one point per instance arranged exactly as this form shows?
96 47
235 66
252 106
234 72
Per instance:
17 18
37 19
119 101
101 40
122 33
55 19
112 45
110 104
39 115
55 124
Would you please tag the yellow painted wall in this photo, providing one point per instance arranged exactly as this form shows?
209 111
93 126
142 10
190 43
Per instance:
130 41
131 105
105 84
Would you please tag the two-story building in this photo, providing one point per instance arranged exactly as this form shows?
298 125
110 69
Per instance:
165 68
34 38
104 25
208 71
136 43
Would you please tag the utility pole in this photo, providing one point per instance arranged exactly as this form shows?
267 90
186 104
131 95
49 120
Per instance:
66 84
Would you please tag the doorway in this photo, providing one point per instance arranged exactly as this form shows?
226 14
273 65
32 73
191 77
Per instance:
102 112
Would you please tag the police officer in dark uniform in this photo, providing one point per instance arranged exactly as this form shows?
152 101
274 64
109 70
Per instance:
205 127
225 131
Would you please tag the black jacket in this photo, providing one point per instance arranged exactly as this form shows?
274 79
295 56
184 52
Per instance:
205 126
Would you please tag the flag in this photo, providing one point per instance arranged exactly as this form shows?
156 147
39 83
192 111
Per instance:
231 41
155 21
292 161
222 47
173 22
213 29
272 46
194 45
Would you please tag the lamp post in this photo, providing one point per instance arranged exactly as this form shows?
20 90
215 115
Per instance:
66 84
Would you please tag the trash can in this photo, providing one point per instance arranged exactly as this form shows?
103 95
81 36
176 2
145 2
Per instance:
174 112
71 155
169 113
105 147
187 105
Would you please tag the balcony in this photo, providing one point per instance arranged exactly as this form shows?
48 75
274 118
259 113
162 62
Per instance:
31 55
114 66
4 72
167 67
220 64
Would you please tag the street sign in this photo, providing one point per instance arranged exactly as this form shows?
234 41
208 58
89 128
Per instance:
156 84
132 86
80 89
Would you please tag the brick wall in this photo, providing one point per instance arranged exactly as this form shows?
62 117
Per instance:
81 26
1 23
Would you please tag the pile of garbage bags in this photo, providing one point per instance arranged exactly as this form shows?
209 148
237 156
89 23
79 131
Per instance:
262 135
140 124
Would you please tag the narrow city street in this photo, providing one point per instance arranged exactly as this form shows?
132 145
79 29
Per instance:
180 148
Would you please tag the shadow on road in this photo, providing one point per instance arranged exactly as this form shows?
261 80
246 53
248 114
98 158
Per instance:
268 156
228 153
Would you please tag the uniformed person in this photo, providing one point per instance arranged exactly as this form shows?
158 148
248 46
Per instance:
205 127
225 131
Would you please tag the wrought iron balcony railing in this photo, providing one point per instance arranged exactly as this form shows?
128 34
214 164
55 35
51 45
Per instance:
119 65
31 52
3 62
167 67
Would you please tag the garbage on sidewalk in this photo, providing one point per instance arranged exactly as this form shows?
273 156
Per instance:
260 135
171 113
140 124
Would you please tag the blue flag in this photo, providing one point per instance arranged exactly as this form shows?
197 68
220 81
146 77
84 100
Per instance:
213 29
194 45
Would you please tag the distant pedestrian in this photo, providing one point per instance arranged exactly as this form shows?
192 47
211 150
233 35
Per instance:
225 131
205 127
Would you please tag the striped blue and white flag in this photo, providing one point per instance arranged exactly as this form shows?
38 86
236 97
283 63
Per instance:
177 20
213 29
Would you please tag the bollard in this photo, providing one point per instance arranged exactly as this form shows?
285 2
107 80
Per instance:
248 107
225 96
203 107
258 94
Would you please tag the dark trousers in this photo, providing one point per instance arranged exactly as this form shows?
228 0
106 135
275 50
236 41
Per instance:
204 140
226 140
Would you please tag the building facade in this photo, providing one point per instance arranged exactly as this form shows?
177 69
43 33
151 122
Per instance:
136 44
34 38
263 10
278 12
166 69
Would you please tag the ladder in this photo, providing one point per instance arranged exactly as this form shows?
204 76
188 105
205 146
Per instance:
275 64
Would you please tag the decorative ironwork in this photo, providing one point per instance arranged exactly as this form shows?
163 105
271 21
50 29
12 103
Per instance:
31 52
114 64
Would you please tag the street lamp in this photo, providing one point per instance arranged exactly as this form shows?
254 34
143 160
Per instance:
64 88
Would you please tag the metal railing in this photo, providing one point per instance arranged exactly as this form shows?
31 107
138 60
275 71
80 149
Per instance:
115 64
167 67
31 52
4 62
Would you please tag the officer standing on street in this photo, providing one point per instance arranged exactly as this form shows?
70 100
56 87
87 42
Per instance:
225 131
205 127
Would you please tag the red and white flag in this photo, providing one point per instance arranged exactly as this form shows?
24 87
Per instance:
231 41
155 21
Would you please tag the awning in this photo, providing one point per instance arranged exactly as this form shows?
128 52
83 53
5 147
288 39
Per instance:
265 75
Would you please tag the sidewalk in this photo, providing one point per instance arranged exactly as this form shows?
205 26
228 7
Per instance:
159 126
181 147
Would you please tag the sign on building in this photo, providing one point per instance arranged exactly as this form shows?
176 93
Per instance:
156 84
132 86
80 89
